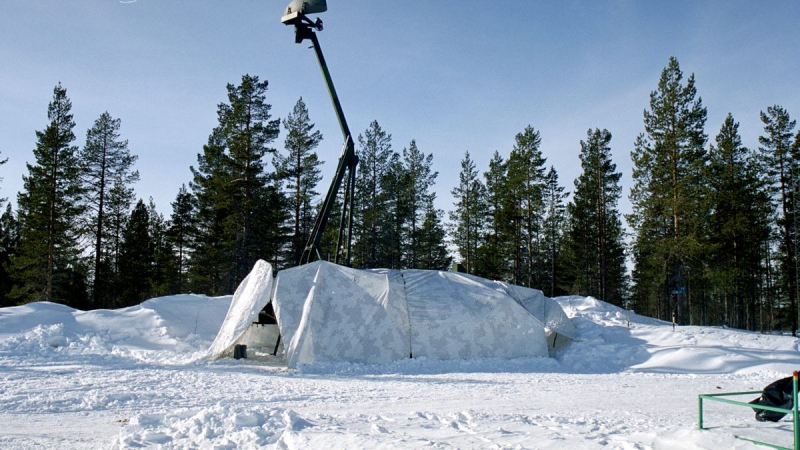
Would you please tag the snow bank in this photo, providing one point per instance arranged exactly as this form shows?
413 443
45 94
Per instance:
166 329
606 345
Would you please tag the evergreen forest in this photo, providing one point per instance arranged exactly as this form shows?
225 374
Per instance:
712 237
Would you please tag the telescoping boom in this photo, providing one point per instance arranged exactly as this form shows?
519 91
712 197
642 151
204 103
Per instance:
304 28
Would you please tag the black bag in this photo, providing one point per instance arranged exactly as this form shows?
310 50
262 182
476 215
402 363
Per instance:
777 394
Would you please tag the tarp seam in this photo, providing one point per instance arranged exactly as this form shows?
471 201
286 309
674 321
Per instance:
408 313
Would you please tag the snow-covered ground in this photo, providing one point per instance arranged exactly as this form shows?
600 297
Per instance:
134 377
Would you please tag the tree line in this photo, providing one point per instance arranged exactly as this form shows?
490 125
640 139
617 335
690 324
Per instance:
81 237
711 237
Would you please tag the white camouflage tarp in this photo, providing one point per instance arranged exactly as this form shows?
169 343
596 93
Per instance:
547 310
250 298
330 313
455 316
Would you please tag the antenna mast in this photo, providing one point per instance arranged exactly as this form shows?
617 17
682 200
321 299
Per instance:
304 28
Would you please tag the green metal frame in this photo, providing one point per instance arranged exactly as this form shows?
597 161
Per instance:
793 412
348 161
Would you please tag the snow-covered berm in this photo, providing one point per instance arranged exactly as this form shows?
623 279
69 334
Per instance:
135 377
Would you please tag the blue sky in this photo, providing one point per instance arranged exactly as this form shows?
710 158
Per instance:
454 75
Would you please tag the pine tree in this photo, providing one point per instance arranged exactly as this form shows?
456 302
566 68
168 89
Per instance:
392 249
667 198
780 162
3 199
269 226
9 239
492 256
163 270
524 204
418 180
553 226
594 237
372 210
180 236
469 214
120 201
241 211
47 265
738 224
105 159
136 258
248 133
299 169
209 269
432 252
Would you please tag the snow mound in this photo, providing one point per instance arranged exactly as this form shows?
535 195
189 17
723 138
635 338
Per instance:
217 427
163 329
18 319
606 344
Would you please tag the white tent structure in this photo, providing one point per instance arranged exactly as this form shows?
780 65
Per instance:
329 313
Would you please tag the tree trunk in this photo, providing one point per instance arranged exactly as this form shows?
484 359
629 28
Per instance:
98 246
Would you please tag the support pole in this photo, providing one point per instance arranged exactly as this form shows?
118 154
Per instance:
700 412
337 106
352 207
795 428
342 219
277 345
